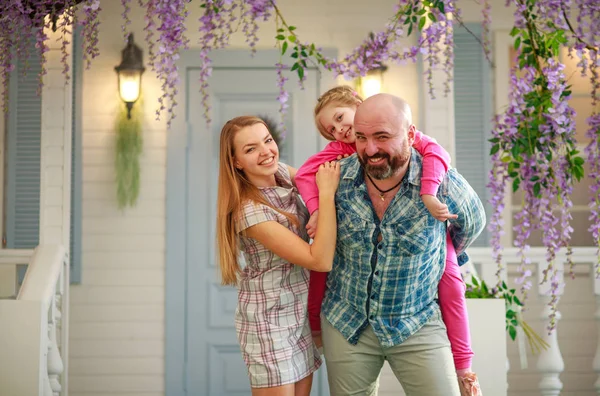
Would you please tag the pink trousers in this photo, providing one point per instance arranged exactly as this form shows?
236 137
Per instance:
453 304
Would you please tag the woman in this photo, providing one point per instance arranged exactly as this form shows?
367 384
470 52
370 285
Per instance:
260 214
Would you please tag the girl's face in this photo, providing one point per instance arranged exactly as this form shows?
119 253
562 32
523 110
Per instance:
338 121
256 153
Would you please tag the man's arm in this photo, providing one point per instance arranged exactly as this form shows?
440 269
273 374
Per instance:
463 201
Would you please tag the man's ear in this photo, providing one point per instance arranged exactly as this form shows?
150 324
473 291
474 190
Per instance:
412 129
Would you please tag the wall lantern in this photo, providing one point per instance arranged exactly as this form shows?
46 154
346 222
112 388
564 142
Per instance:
372 83
130 74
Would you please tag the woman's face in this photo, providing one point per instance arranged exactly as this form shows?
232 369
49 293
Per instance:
338 121
256 153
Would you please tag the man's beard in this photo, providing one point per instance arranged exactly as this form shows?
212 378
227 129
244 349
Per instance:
390 166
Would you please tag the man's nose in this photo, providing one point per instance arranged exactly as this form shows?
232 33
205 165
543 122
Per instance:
371 148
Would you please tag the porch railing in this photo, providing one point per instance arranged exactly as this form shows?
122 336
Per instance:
550 364
34 323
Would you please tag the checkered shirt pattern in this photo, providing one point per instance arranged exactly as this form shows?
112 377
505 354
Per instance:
391 285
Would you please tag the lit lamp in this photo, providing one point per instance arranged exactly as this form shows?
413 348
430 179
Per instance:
130 74
372 83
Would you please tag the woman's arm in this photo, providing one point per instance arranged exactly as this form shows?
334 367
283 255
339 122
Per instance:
280 240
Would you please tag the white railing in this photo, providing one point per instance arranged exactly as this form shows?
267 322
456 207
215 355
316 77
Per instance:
34 325
550 364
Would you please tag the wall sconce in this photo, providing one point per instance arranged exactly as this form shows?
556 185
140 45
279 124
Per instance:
372 83
129 74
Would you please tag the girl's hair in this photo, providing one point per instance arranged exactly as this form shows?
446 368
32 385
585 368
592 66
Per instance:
233 191
342 95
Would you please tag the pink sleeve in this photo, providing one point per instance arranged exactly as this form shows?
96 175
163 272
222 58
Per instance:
305 177
436 161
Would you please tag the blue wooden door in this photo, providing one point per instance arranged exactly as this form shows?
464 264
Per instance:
212 363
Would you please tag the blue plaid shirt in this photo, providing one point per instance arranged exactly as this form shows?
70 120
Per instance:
392 285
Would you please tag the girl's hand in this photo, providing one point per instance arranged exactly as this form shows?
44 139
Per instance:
311 226
437 209
328 178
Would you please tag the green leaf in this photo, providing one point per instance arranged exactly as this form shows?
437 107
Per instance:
516 184
280 37
517 301
292 38
510 313
512 331
422 22
514 31
284 47
536 189
494 149
292 28
517 43
295 66
475 282
410 27
432 17
301 73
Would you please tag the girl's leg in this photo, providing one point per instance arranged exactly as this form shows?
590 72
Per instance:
453 305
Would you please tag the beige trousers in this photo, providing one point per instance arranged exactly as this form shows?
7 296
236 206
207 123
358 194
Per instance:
423 363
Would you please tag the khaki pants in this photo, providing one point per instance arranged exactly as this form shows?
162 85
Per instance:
423 363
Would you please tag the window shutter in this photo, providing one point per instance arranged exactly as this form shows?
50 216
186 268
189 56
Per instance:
23 155
473 114
24 158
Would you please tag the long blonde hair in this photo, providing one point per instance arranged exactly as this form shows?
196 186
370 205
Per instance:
234 190
343 95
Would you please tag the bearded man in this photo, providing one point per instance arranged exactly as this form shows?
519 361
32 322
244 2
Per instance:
380 303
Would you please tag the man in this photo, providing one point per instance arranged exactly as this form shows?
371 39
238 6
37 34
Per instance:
380 301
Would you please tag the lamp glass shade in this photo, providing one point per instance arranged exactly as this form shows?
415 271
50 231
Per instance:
129 85
371 84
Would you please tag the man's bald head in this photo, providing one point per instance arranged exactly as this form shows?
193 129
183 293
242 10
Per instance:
384 107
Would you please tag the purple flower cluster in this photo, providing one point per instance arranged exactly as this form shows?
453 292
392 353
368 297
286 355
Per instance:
593 153
171 16
90 24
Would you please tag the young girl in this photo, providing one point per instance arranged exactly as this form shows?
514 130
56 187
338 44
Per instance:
260 214
334 116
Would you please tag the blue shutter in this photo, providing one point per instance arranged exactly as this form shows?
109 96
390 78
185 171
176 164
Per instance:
76 152
472 114
23 155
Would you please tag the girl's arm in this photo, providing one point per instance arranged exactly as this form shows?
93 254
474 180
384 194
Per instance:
436 162
305 176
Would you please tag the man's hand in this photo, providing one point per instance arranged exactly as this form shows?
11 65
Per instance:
437 209
311 226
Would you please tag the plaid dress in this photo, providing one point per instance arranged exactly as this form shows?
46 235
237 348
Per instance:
271 319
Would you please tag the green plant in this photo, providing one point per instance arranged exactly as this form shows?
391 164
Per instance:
479 289
128 149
